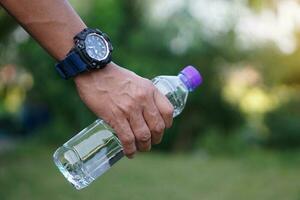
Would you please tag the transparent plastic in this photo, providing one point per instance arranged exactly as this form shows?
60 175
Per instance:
174 89
96 148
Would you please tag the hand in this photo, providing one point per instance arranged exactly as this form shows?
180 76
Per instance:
130 104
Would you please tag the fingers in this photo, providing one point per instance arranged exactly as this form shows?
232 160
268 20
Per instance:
130 104
141 131
158 113
165 108
132 112
125 134
140 120
154 120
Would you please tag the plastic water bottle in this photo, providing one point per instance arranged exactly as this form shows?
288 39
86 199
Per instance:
96 148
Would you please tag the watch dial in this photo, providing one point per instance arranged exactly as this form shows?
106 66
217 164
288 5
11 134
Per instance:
96 47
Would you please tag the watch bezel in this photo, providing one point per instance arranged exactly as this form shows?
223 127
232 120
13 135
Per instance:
80 47
105 43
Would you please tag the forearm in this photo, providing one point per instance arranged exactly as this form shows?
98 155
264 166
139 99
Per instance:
132 105
53 23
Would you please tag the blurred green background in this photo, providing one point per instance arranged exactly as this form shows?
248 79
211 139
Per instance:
238 137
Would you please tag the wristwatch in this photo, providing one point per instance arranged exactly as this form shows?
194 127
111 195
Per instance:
92 50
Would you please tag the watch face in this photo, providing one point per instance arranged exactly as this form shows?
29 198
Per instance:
96 47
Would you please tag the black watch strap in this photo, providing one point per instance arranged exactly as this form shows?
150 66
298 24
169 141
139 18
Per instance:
71 66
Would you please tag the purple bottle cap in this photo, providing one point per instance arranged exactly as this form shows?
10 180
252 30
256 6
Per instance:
192 77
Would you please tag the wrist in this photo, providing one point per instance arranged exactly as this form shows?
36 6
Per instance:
109 69
92 50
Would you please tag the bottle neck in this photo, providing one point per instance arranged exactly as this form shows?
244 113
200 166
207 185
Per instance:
186 82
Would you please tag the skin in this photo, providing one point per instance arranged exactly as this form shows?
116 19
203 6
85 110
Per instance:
130 104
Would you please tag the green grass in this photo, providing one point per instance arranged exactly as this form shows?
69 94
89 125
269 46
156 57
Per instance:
30 174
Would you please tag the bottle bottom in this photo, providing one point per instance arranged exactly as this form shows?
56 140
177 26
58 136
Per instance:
70 165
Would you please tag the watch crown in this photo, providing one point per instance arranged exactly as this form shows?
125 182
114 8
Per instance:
80 44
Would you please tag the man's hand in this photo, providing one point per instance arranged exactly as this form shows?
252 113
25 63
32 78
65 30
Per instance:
130 104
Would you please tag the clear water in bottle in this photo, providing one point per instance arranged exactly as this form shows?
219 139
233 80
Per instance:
96 148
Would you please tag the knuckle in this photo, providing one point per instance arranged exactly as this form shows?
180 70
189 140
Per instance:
127 140
128 107
144 136
141 95
159 128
